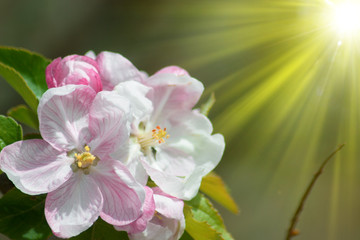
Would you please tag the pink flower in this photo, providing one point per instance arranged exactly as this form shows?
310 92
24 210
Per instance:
77 163
168 222
74 69
173 143
176 141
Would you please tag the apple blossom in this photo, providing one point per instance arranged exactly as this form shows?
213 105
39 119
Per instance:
77 163
172 141
176 141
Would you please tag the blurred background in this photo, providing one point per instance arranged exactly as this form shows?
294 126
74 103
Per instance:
285 75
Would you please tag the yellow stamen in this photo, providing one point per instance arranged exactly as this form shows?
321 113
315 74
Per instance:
155 137
85 159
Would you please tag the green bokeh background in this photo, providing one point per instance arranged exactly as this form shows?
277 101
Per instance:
286 89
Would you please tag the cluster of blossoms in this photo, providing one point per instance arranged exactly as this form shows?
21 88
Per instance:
107 128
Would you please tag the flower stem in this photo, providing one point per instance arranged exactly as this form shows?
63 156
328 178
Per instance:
292 231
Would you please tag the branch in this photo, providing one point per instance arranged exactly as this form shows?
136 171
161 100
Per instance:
292 231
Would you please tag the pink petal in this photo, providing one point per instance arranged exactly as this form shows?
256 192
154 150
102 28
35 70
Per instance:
63 116
74 69
172 93
34 166
109 123
168 205
148 211
114 69
178 71
123 196
168 223
74 207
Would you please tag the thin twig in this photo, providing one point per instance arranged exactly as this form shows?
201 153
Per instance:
292 231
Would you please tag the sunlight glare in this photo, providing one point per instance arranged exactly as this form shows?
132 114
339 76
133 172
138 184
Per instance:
347 18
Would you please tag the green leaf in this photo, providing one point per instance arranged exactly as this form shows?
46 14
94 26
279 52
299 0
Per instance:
10 131
206 107
24 115
203 220
25 72
186 236
22 216
213 186
101 231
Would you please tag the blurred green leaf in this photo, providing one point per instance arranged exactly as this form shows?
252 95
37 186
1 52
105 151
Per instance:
206 107
22 216
24 115
10 131
101 231
25 72
203 220
213 186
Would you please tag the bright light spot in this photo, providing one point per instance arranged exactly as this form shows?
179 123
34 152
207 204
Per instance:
339 43
347 17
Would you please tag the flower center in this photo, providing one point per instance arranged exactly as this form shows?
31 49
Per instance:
153 138
84 160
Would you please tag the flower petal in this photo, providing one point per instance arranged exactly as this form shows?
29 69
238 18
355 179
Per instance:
73 69
123 196
114 69
174 70
153 232
133 162
167 205
168 223
34 166
148 212
109 123
74 207
172 93
188 155
135 92
63 116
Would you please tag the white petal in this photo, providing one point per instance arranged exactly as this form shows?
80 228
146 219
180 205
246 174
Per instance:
114 69
74 207
34 166
91 54
109 123
153 232
63 116
135 92
134 165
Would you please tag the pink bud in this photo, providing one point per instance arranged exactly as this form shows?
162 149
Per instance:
73 69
